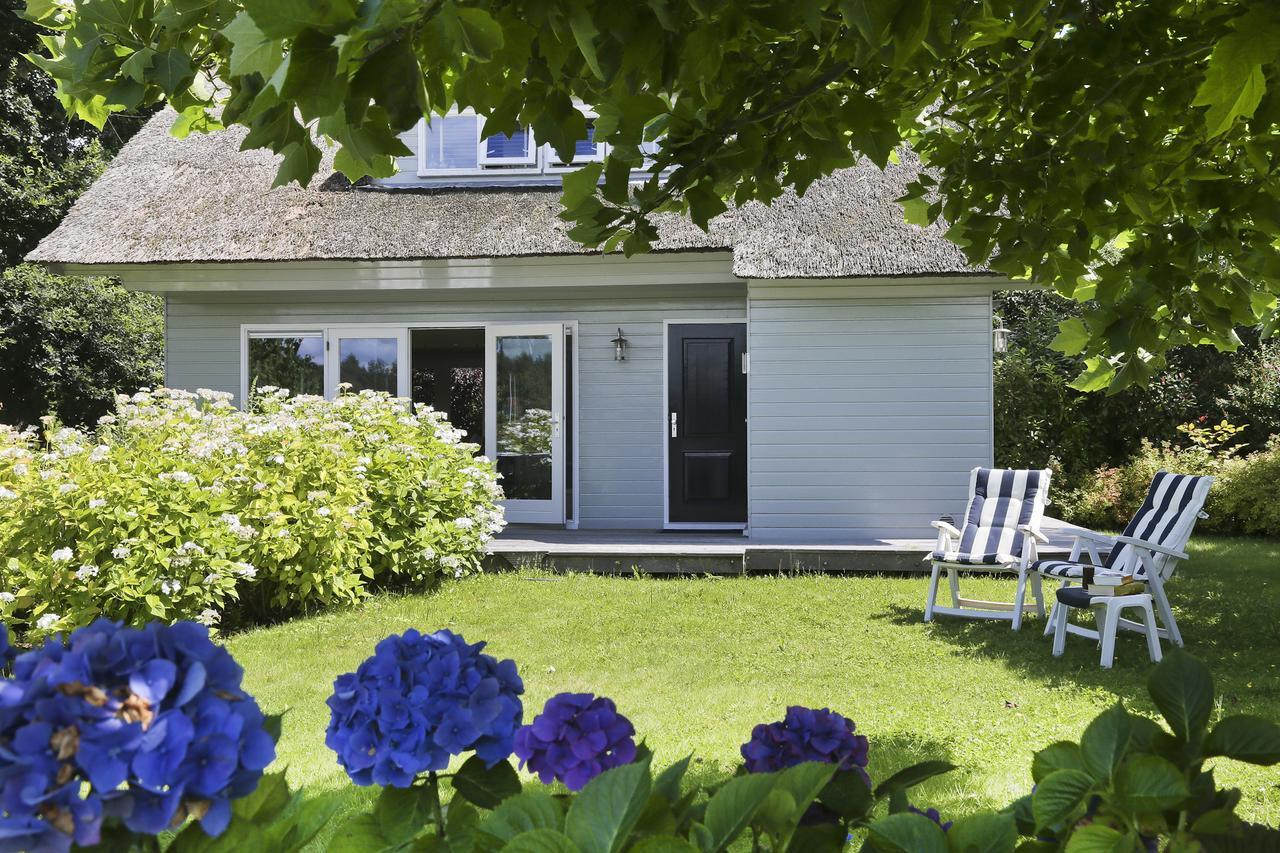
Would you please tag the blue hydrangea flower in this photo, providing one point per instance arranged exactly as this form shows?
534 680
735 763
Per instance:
418 701
933 815
805 734
577 737
124 722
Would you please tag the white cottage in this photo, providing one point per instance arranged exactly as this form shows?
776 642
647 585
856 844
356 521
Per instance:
817 371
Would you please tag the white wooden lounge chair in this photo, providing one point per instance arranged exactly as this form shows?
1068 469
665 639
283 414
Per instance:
1001 531
1148 550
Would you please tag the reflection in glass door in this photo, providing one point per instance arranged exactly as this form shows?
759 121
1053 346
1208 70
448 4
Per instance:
369 359
524 405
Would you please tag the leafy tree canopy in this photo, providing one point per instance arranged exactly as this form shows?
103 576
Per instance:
1123 152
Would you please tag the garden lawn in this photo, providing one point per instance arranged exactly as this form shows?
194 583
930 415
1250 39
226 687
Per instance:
696 662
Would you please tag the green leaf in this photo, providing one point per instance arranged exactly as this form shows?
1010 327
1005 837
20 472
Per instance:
916 211
584 33
301 160
1148 783
1106 741
1245 738
311 77
360 834
287 18
802 784
172 71
472 30
252 51
136 66
909 777
541 841
1063 755
113 16
668 782
403 812
1182 689
392 78
733 806
848 795
1234 83
1072 337
663 844
485 786
907 833
603 813
871 18
267 801
1059 795
1096 375
521 813
984 833
1099 838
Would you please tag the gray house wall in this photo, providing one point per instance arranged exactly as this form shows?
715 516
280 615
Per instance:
620 409
869 404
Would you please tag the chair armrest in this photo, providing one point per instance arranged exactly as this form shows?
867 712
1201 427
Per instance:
1034 533
1149 546
1082 533
949 529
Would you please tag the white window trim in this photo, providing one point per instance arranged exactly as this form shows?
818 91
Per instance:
496 166
529 159
273 331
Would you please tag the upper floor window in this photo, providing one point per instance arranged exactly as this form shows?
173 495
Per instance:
455 146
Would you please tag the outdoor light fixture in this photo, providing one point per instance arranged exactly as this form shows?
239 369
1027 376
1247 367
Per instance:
620 347
999 336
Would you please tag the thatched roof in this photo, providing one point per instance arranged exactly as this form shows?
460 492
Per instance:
165 200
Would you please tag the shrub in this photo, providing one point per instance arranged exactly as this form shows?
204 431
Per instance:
182 506
69 344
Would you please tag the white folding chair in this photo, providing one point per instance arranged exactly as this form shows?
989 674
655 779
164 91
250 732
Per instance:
1001 531
1148 550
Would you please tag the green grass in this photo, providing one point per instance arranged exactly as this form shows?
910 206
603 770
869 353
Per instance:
696 662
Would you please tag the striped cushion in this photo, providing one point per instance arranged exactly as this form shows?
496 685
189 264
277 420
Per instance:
1059 568
1166 517
1000 500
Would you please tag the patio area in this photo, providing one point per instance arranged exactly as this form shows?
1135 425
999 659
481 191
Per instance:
719 553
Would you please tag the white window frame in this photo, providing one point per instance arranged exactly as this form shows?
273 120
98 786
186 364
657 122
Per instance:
423 170
273 331
530 158
551 161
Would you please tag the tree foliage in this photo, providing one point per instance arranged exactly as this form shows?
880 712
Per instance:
69 344
1122 152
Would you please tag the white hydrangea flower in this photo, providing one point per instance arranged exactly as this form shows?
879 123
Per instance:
47 621
21 469
121 552
62 555
86 571
245 570
7 597
97 503
464 523
208 618
67 488
258 487
170 587
7 494
323 511
99 453
191 547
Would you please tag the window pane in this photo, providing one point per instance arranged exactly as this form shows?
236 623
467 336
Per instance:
512 147
523 381
451 143
295 363
368 363
587 147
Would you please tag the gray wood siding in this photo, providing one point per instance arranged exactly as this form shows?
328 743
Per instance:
866 411
619 404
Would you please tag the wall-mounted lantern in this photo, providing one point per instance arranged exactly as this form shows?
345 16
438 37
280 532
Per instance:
999 336
620 345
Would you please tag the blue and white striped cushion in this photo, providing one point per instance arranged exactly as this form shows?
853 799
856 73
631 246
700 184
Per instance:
1000 500
1166 517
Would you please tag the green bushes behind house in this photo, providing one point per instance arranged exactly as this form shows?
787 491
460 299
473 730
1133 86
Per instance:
182 506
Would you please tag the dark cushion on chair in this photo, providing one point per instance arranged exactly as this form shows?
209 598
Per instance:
1075 596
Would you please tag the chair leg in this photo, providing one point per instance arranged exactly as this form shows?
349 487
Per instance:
1153 634
953 579
1059 623
1053 608
1019 599
1107 629
1037 591
1166 616
932 600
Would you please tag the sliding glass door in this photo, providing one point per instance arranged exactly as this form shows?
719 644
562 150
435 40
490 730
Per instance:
524 405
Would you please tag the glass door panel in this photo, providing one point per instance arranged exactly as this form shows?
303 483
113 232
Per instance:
373 360
524 396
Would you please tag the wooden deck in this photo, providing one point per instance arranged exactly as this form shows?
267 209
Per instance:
685 552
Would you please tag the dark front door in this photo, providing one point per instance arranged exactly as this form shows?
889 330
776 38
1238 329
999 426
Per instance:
706 423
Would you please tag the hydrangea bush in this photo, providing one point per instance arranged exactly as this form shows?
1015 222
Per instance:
150 726
577 737
180 505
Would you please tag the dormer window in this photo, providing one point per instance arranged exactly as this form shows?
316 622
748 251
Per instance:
449 144
515 150
584 151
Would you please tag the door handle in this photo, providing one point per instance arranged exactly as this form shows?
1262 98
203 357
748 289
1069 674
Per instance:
673 425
